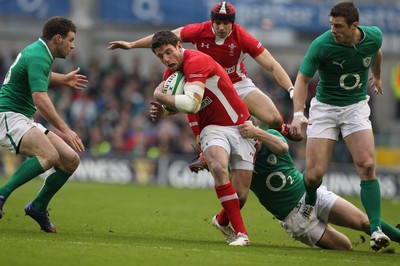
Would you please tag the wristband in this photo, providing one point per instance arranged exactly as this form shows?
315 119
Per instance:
291 92
298 114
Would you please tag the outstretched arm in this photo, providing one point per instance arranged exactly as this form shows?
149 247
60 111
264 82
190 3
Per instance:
73 79
141 43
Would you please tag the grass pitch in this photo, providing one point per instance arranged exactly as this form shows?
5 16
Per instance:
101 224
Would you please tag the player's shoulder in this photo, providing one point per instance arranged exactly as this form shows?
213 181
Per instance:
190 54
372 31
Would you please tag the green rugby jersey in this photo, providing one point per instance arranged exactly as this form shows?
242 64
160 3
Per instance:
276 182
343 70
30 72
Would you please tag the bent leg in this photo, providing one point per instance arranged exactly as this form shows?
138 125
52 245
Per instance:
333 239
37 146
262 107
64 168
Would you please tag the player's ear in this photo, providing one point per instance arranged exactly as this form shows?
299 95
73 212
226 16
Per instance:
57 38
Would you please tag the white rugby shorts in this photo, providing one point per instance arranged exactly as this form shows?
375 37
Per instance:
327 121
313 233
13 126
244 87
228 137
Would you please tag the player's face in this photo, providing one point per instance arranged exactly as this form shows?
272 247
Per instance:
343 33
64 46
171 56
222 28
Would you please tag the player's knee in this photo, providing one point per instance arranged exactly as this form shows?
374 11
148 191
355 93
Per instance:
72 163
313 178
49 158
347 246
367 169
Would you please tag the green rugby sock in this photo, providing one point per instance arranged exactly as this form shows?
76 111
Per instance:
52 184
371 199
392 232
311 193
27 170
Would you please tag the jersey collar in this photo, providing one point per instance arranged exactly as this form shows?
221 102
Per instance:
47 48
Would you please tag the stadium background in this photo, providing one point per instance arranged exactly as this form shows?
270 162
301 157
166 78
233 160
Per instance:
111 116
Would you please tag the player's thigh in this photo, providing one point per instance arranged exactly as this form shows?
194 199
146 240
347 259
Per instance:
333 239
262 107
36 143
361 146
345 214
69 159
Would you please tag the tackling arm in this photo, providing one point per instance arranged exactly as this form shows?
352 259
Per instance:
274 143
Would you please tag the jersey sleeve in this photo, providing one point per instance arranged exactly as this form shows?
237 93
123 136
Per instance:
276 133
39 73
194 125
249 44
311 60
377 35
197 68
191 32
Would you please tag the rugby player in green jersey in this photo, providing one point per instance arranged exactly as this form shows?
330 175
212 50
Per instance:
24 92
279 187
342 56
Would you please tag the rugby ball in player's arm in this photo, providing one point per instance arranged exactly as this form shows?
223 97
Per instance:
173 85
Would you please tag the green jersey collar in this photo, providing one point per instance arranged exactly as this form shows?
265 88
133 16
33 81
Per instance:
48 50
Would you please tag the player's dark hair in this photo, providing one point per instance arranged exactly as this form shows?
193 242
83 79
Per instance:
163 38
57 25
347 10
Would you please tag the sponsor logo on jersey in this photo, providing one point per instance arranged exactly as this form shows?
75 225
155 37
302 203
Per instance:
339 64
230 70
206 101
195 75
207 45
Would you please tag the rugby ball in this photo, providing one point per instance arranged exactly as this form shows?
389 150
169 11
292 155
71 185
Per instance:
173 85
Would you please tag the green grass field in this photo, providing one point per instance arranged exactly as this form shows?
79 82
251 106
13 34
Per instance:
100 224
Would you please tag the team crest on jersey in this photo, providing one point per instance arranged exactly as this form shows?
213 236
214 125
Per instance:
367 61
231 49
272 159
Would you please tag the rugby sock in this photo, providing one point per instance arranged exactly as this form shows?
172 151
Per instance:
392 232
230 202
27 170
311 193
371 199
222 218
51 185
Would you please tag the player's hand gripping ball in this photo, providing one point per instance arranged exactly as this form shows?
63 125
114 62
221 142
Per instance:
174 85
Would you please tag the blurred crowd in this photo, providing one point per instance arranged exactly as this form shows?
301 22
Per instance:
112 115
